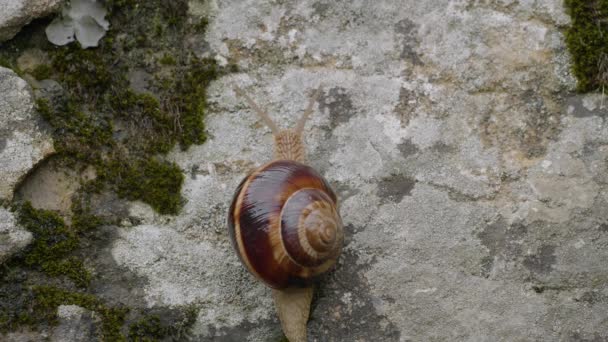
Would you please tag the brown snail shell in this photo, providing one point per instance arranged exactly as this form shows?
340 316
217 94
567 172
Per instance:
284 224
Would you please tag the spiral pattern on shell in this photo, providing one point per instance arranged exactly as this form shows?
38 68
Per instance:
284 224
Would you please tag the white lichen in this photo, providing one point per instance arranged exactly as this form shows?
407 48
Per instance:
83 20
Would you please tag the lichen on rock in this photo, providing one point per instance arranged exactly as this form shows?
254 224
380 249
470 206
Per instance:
83 20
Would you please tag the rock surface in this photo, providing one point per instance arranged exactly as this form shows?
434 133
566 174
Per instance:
50 187
23 142
474 185
14 14
76 324
12 237
473 181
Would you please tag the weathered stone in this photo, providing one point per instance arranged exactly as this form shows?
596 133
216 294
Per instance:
24 335
76 324
472 198
12 237
473 182
30 59
23 142
51 186
14 14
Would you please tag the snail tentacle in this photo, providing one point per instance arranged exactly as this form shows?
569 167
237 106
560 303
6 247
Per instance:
262 113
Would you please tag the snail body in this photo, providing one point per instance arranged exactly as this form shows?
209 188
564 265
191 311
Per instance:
285 226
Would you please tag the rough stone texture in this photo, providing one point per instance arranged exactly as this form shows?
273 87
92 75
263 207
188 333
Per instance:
51 187
23 142
76 324
14 14
473 183
25 336
12 237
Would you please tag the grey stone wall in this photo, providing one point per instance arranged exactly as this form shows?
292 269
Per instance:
473 181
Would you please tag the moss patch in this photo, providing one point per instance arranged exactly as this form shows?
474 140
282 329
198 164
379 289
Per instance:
42 72
104 119
46 299
40 303
149 180
100 120
153 328
587 40
53 243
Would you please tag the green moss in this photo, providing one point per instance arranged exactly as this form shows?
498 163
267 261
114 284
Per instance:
150 180
5 62
81 135
48 298
174 13
154 126
186 95
71 267
53 243
84 71
117 5
82 219
167 59
202 24
9 64
147 329
588 43
42 72
151 328
103 122
99 121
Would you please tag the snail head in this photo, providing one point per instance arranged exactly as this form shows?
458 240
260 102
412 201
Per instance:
288 142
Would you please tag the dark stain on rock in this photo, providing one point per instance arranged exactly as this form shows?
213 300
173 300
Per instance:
580 111
14 292
577 337
110 207
542 262
592 297
336 317
405 107
502 241
493 236
118 285
406 30
320 8
344 191
408 148
395 187
241 332
590 148
604 227
442 147
2 144
486 266
340 106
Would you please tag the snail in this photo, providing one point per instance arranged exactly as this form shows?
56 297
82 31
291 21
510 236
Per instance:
284 224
